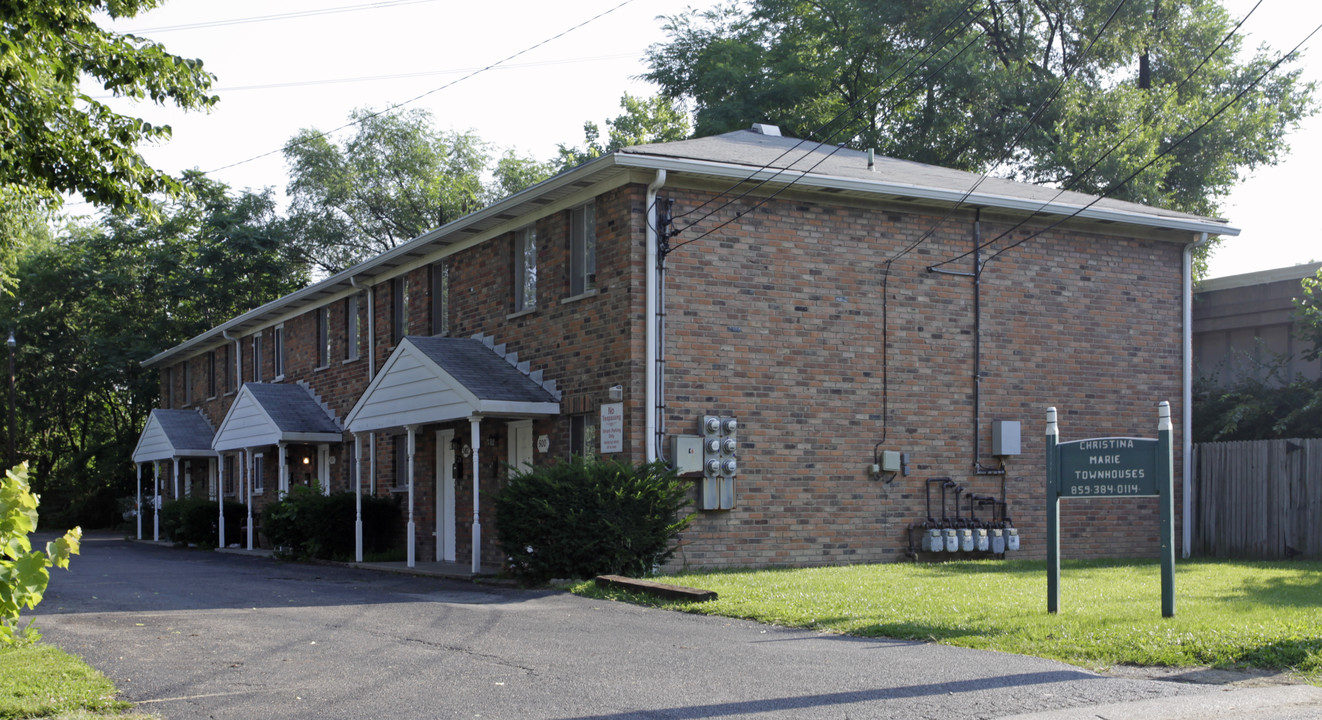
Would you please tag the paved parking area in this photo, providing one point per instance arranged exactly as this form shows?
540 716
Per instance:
192 634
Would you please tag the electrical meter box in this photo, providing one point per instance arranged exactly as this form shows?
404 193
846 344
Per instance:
1005 437
890 461
686 454
720 463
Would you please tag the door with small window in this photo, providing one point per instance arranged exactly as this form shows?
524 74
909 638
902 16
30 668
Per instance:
520 445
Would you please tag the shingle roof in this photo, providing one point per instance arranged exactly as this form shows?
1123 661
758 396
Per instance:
756 150
185 429
292 408
480 370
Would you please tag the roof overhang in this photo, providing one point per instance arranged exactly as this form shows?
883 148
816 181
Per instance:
167 435
251 423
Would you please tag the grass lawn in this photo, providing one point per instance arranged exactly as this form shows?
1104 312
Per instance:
1227 614
44 681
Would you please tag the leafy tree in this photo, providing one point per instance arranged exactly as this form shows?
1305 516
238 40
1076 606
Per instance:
650 120
58 139
1309 315
393 180
94 302
24 573
935 83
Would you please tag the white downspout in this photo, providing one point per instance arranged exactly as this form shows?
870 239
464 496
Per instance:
1186 404
653 286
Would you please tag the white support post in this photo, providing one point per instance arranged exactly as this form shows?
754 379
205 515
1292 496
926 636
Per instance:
220 500
137 499
412 529
156 501
358 497
475 424
283 472
247 462
174 476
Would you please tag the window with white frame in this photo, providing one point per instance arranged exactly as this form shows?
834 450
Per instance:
399 292
278 351
188 384
582 435
351 328
525 270
258 474
323 337
582 249
228 462
440 298
257 357
229 368
211 374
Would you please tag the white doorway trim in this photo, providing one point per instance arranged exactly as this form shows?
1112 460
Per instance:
445 519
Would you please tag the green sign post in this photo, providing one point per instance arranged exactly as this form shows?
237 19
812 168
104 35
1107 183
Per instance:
1106 468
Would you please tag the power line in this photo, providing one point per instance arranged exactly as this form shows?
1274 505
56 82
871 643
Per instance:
416 98
278 16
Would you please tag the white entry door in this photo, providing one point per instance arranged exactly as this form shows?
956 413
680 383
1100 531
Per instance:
444 496
323 468
520 445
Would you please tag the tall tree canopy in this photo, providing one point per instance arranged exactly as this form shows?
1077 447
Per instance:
90 303
55 138
396 178
970 86
644 120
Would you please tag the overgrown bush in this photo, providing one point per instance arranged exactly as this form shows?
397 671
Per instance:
195 521
307 524
1254 409
580 518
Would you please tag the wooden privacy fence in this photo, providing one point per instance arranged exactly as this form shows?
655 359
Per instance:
1258 499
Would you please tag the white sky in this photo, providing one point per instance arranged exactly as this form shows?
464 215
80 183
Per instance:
278 76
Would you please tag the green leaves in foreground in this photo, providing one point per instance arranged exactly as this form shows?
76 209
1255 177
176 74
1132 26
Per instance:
24 573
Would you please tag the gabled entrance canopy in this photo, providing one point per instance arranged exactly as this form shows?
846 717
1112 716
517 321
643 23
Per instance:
174 433
274 413
438 379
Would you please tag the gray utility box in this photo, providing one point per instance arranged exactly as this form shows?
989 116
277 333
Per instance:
686 454
1005 437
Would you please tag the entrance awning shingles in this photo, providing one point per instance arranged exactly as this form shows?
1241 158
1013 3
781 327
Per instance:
174 433
273 413
438 379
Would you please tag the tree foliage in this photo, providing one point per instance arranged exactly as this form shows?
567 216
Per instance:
396 178
971 87
90 304
54 137
24 573
1308 314
644 120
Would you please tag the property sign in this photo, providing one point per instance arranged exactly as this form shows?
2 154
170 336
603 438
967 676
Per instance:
1110 467
612 428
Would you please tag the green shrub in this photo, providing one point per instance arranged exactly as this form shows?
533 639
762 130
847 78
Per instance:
194 521
580 518
307 524
24 572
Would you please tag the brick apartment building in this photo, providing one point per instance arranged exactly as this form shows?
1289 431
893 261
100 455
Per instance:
834 306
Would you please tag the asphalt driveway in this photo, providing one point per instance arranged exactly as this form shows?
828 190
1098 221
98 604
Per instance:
193 634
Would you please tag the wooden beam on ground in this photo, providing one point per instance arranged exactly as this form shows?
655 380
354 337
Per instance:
674 592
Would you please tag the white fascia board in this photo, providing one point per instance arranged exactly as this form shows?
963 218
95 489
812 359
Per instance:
507 407
311 437
875 187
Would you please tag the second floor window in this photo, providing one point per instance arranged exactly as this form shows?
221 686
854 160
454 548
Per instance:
278 352
257 357
188 385
399 290
323 337
440 298
525 270
211 374
582 249
351 327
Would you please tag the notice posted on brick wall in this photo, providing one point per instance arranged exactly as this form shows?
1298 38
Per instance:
612 428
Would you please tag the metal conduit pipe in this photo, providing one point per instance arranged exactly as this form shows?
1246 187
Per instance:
652 263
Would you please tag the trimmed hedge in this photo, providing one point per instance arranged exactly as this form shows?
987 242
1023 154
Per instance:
195 521
306 524
580 518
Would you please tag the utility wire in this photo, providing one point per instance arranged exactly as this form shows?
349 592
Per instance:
433 91
278 16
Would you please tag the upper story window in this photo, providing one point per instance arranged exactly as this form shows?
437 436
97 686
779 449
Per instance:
582 249
440 298
188 384
525 270
229 368
351 327
167 386
257 357
323 337
399 303
278 351
211 374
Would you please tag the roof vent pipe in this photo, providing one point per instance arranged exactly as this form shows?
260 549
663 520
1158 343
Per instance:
765 129
872 158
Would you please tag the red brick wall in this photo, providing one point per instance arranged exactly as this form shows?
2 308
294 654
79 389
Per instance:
777 319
